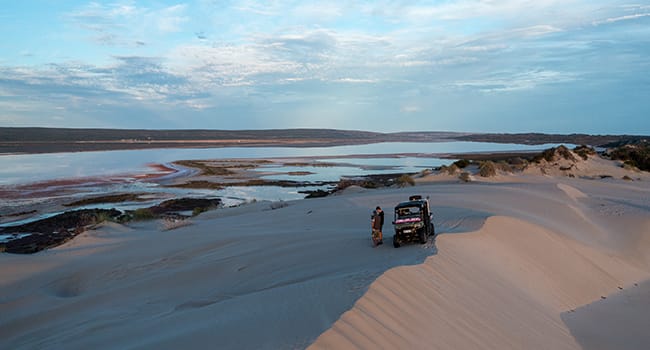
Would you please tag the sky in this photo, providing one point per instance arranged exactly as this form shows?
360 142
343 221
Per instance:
553 66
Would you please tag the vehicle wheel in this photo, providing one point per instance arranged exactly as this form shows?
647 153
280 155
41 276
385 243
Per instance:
423 236
433 230
395 242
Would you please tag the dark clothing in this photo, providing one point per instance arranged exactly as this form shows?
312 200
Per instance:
377 220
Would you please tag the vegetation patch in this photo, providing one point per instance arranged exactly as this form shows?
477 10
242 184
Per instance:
584 151
315 194
554 154
205 169
462 163
634 155
517 163
185 204
56 230
139 214
405 180
450 170
504 166
487 169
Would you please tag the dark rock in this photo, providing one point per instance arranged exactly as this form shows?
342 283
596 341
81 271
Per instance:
54 231
170 208
315 194
67 220
184 204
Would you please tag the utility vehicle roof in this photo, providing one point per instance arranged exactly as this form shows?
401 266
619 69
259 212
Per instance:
418 203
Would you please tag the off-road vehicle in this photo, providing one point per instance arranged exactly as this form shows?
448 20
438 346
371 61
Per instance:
413 221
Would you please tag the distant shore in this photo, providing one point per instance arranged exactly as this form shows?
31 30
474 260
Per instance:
55 140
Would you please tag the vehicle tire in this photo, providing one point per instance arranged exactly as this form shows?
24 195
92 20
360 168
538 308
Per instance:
395 242
423 236
433 230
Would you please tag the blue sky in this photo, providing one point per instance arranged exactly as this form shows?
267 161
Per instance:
467 65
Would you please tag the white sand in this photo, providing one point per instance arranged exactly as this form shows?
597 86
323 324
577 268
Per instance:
514 258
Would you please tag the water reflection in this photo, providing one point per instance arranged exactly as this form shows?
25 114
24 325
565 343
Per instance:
96 174
26 168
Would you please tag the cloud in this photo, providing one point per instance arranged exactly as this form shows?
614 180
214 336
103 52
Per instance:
508 81
460 10
169 19
620 18
249 57
410 109
311 46
321 11
126 25
536 30
356 81
262 8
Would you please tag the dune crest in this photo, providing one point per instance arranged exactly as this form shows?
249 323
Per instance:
502 287
572 192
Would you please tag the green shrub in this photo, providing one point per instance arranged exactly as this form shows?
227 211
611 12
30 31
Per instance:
343 184
517 163
462 163
565 153
584 151
405 180
452 169
504 166
552 154
143 214
487 169
634 155
103 217
369 184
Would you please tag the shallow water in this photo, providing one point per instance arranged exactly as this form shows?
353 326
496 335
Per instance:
123 167
26 168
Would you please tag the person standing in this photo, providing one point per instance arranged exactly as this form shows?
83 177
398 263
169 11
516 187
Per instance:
377 223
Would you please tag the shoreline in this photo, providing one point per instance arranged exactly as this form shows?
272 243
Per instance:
223 173
48 140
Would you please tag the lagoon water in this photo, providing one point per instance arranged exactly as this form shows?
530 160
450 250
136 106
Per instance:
28 168
124 166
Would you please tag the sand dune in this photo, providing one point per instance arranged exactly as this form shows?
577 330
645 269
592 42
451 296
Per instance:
518 264
515 283
503 287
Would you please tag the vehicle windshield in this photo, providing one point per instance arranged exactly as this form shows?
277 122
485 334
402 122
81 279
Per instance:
408 212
